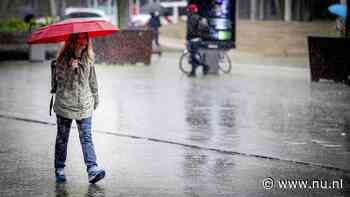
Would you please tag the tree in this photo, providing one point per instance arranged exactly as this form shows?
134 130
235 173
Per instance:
123 13
61 7
53 8
4 5
278 7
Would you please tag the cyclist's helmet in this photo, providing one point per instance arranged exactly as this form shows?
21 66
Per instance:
192 8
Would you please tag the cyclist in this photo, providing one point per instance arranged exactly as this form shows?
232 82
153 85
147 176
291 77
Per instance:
196 26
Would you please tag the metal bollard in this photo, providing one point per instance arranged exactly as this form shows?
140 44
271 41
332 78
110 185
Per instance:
37 52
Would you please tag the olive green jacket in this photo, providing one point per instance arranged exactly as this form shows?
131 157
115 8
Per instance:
76 90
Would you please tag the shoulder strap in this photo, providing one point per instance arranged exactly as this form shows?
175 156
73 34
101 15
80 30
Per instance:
53 83
51 104
53 76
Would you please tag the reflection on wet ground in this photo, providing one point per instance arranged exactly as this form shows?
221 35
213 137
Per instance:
138 167
92 191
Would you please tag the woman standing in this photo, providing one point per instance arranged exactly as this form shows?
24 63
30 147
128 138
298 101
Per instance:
75 84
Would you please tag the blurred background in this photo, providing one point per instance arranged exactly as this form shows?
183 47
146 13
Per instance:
286 23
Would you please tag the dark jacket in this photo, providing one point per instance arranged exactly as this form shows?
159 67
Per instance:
154 22
196 27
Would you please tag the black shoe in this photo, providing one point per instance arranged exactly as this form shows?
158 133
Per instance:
192 74
205 70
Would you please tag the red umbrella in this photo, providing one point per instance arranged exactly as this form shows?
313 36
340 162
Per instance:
59 32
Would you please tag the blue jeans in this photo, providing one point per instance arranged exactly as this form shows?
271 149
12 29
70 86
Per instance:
63 130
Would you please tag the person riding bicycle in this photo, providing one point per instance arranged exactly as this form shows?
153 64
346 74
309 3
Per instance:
196 26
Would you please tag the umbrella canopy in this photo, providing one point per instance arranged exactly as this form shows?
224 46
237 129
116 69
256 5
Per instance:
153 7
59 32
338 9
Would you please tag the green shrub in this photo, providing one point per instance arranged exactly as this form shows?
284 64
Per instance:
45 21
14 25
18 25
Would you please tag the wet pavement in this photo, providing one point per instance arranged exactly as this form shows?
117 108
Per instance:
160 133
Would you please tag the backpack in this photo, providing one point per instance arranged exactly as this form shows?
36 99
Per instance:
53 84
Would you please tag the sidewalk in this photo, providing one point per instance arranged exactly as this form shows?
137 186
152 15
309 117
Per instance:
137 167
160 133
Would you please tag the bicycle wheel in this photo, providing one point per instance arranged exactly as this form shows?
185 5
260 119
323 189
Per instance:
184 63
225 64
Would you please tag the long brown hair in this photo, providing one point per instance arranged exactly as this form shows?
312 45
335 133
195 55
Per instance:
68 51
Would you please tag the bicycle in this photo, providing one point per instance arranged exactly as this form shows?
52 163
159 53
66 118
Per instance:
185 66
